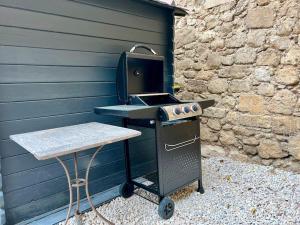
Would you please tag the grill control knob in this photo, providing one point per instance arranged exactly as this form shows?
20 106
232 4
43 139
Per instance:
186 109
195 108
177 111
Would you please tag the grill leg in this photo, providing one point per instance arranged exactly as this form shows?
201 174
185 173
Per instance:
200 187
127 158
200 184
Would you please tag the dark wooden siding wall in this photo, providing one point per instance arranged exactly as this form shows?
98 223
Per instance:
57 62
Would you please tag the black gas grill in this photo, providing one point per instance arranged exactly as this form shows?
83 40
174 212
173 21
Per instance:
174 124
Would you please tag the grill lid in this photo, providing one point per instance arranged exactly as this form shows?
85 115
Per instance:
139 73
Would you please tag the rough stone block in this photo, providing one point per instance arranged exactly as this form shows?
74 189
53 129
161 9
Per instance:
227 138
249 120
214 112
218 86
212 150
245 55
268 58
281 43
256 38
263 2
294 146
266 89
270 149
235 71
251 103
243 131
237 86
292 57
205 75
262 74
250 141
285 125
214 61
262 17
197 86
214 124
213 3
288 75
236 41
283 102
206 134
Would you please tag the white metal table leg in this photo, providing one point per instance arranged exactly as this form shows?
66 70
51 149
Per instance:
87 188
77 184
70 189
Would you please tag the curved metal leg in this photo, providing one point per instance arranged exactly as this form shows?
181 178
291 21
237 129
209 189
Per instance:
77 186
70 188
87 188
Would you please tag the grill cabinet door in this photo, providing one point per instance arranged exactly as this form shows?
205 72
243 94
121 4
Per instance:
179 156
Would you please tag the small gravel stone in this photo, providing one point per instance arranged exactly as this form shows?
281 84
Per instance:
235 193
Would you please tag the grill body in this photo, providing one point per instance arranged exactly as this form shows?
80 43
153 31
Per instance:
175 153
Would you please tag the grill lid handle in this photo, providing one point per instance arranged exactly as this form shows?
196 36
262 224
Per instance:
142 46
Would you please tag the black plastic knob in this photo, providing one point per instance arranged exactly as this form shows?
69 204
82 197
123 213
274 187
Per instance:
186 109
177 111
195 108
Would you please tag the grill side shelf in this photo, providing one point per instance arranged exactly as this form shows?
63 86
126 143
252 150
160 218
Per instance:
129 111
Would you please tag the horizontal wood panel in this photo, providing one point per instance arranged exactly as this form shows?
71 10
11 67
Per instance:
62 198
92 13
35 56
30 177
43 205
49 172
27 161
58 61
43 108
29 125
59 184
134 7
42 39
47 22
45 74
39 91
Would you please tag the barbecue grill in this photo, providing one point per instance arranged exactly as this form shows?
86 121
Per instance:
175 125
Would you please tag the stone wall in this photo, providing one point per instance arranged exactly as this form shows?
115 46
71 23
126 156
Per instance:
245 54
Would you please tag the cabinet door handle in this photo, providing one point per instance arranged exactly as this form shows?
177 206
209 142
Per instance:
169 147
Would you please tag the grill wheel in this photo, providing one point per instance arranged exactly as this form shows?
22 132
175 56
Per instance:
166 208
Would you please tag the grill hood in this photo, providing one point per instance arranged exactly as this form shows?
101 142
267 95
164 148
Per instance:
139 74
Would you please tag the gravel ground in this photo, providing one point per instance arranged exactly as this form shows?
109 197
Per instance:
235 193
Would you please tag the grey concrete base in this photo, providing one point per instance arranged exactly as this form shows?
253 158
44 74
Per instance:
2 217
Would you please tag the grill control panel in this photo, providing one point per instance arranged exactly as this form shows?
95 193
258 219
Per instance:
181 111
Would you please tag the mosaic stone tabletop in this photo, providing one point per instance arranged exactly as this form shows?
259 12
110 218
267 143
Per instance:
61 141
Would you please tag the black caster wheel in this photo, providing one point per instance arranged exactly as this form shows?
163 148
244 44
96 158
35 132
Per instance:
166 208
126 190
